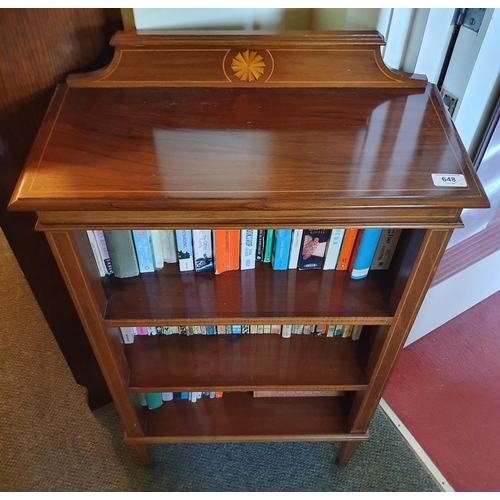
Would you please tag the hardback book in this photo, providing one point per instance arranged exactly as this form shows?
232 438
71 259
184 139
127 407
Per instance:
363 252
153 399
121 251
286 331
167 396
281 250
356 332
261 243
168 247
184 249
103 251
144 250
97 255
333 249
127 334
385 248
227 250
202 245
248 248
268 247
293 261
313 248
346 250
157 249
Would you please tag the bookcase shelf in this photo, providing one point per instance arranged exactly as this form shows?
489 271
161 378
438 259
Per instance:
241 417
320 135
257 296
246 363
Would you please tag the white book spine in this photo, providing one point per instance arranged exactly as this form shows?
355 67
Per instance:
356 332
331 331
248 248
167 396
286 331
169 250
157 249
151 330
202 248
333 249
142 399
185 249
295 248
127 334
97 255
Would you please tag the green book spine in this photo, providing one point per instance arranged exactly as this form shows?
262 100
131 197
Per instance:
153 399
121 251
269 245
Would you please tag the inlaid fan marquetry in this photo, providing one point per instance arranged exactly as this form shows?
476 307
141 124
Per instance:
248 66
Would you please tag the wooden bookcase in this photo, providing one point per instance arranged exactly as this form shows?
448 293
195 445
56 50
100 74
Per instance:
229 130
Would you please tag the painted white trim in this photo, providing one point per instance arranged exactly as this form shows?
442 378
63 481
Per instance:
455 295
417 449
397 34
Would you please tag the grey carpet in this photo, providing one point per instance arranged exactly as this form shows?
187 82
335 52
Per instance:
51 441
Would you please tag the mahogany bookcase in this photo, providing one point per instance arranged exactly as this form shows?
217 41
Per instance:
232 130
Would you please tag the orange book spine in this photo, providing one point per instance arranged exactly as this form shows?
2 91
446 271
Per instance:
227 250
346 250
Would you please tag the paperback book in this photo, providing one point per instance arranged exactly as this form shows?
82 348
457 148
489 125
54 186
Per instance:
202 245
184 249
313 248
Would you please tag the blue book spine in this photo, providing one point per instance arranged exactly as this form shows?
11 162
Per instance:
153 400
143 250
281 254
236 329
177 396
363 252
184 395
211 330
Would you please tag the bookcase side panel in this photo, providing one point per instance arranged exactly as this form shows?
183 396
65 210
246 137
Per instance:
383 359
109 354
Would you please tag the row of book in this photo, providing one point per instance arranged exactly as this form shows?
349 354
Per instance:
154 400
127 253
286 331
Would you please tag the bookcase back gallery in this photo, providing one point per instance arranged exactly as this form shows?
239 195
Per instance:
238 131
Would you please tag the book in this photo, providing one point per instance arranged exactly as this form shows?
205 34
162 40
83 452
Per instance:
236 329
248 248
157 249
276 329
245 329
127 334
151 330
297 329
347 330
259 252
169 250
221 329
313 248
227 250
346 249
211 330
333 249
338 330
153 400
268 246
254 329
121 251
97 255
184 241
281 250
385 248
331 331
141 330
356 332
295 248
286 331
167 396
267 329
103 251
143 250
363 252
202 245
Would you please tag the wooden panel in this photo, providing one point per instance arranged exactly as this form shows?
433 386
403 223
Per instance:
253 296
39 48
157 148
245 363
241 417
330 59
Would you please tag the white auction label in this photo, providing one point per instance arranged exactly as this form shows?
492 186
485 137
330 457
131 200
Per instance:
449 180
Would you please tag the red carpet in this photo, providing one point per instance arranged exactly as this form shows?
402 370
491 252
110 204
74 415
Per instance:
446 389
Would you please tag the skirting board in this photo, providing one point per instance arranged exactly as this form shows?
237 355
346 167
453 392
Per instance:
455 295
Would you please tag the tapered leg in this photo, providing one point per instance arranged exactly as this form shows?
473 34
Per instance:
347 449
143 453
